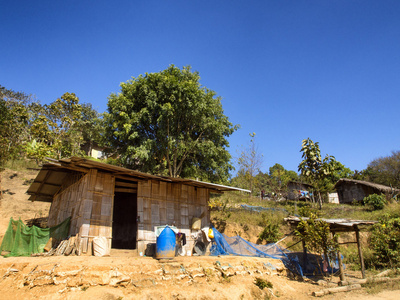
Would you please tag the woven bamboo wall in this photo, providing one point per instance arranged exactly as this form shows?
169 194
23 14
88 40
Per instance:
89 204
66 204
162 203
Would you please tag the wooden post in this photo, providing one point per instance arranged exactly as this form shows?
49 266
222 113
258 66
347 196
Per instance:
305 257
359 251
339 256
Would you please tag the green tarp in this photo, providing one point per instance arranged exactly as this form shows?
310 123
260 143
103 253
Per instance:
21 240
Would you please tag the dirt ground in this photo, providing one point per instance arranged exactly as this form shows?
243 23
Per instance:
126 276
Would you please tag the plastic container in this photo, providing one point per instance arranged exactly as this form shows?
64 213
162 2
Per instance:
165 244
199 248
196 224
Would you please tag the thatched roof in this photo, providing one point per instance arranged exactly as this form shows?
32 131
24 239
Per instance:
379 187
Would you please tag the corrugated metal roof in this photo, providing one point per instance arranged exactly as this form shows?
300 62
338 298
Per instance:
54 174
344 225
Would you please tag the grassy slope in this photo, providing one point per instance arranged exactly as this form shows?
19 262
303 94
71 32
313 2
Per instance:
234 221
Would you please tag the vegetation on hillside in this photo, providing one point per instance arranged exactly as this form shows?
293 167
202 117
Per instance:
380 245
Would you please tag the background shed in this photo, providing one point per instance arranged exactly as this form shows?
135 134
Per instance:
350 190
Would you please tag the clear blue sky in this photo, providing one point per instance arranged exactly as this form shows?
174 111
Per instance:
286 70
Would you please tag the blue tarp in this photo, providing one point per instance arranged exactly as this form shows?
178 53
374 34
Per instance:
261 208
224 245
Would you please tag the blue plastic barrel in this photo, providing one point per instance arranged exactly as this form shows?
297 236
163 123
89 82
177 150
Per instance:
165 245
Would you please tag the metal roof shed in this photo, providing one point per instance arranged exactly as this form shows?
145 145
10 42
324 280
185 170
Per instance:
121 204
339 225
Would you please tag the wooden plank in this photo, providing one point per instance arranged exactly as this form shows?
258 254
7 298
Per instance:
126 184
360 252
96 205
155 189
108 184
106 206
84 244
125 190
155 212
163 191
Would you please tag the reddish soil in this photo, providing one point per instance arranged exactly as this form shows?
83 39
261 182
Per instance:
125 276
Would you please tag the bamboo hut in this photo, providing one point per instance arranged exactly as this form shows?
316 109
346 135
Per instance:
120 204
350 190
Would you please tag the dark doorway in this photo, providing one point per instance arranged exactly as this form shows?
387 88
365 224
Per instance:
124 228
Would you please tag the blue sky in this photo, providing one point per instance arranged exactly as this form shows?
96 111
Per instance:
286 70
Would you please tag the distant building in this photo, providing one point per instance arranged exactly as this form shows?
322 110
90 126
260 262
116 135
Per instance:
350 190
298 190
94 150
333 198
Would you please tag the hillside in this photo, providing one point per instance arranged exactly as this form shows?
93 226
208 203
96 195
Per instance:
124 276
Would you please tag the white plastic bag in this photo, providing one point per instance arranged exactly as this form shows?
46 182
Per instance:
100 246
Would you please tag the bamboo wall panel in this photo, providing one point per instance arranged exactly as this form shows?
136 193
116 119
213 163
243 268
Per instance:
89 204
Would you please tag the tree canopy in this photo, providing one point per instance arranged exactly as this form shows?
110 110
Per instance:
168 123
13 122
385 170
59 129
314 169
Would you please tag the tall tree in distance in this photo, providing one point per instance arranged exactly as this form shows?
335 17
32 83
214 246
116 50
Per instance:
385 170
249 161
167 123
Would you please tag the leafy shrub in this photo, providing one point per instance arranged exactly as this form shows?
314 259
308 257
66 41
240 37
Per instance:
385 241
262 283
270 233
375 201
317 237
307 211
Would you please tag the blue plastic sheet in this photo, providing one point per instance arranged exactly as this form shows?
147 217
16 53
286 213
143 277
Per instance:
261 208
224 245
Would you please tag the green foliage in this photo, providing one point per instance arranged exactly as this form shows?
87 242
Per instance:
385 241
262 283
31 130
317 236
270 233
385 170
321 173
167 123
279 178
13 123
307 211
375 201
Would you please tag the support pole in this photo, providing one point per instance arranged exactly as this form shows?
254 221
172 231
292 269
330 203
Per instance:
360 251
339 257
305 256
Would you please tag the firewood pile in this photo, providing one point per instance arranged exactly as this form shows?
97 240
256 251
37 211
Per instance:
66 247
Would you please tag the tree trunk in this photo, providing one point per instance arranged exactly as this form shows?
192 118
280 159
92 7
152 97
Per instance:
319 200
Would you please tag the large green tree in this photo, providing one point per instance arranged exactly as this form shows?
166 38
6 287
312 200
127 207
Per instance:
168 123
385 170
